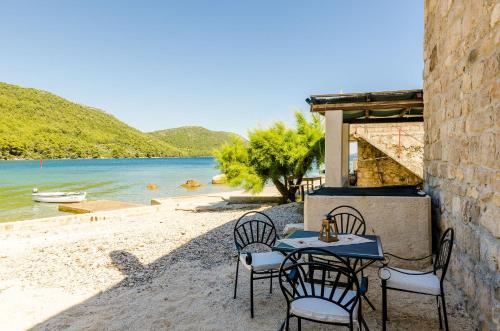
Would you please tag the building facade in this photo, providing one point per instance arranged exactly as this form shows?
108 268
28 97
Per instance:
462 151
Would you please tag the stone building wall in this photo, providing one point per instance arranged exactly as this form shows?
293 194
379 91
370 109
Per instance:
404 142
375 168
462 152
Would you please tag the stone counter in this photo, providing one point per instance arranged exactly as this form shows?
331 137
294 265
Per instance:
402 222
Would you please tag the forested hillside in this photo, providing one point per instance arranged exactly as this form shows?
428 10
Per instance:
194 140
37 124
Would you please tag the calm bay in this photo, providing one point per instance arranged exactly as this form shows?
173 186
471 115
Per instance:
113 179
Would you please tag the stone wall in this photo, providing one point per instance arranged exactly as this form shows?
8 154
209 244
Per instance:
404 142
401 222
461 154
375 168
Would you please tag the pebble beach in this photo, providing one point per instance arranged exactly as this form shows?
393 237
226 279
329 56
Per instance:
165 270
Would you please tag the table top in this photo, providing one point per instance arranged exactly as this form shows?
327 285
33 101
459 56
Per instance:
370 251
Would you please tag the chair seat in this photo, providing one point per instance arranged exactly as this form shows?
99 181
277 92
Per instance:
426 283
319 309
264 261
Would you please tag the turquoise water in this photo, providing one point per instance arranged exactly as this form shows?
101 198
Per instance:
114 179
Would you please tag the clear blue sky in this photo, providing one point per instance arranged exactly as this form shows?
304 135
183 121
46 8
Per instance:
225 65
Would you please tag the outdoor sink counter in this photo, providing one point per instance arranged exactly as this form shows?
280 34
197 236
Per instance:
399 215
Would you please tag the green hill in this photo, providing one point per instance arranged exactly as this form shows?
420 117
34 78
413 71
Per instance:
194 140
37 124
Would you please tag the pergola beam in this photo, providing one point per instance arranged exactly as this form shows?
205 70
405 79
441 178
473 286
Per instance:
414 103
384 120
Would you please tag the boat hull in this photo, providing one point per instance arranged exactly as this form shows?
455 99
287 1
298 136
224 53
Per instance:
59 197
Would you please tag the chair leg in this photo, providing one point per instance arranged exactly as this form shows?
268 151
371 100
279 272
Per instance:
299 324
287 323
384 304
271 283
444 312
251 294
236 277
363 322
369 302
282 326
439 314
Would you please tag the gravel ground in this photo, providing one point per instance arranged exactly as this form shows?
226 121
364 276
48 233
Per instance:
170 271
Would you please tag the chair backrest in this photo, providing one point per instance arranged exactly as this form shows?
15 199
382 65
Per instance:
336 283
254 227
349 220
443 254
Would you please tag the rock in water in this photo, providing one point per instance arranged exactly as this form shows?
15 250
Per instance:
152 186
219 179
191 184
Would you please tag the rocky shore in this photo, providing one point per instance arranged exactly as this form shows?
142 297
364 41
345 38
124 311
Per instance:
167 270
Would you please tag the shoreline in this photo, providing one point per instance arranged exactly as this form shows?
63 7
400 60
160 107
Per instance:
166 203
120 179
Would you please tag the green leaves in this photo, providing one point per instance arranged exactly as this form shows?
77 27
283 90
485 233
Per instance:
37 124
194 140
278 154
234 161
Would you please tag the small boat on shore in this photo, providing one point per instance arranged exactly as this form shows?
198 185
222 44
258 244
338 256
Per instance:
59 196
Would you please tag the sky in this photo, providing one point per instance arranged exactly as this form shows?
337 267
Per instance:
224 65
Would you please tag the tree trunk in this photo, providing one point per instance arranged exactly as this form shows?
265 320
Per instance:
286 194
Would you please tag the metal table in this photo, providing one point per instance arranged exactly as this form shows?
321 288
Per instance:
367 253
371 251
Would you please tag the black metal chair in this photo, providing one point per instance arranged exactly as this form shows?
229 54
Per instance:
350 221
255 229
428 283
324 299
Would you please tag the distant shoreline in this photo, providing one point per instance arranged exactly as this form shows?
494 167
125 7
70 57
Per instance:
122 179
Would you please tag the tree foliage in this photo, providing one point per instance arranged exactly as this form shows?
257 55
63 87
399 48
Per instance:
195 140
37 124
279 154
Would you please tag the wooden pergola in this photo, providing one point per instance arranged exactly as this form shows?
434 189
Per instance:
372 107
341 110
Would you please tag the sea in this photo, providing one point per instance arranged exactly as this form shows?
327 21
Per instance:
111 179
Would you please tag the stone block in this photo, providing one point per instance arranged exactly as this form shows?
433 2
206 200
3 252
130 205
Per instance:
490 252
485 297
495 15
484 176
403 223
477 70
469 281
467 240
487 146
479 121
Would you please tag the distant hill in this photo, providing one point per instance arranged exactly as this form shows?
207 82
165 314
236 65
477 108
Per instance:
37 124
194 140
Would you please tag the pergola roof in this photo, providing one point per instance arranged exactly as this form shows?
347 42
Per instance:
373 107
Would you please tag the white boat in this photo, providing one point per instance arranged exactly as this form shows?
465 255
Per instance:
59 196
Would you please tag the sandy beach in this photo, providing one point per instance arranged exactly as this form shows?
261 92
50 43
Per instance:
164 270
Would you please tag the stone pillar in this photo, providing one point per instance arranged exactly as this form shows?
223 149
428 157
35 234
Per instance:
345 154
336 149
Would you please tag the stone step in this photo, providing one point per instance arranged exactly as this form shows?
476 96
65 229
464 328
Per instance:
404 144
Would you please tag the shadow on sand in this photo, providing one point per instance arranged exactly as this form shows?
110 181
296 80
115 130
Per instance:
188 289
191 289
